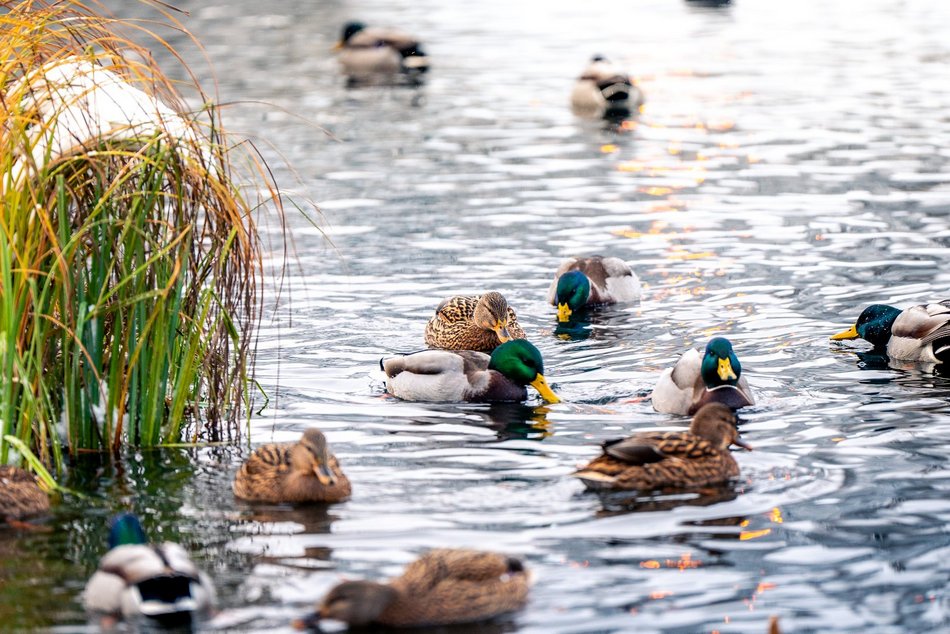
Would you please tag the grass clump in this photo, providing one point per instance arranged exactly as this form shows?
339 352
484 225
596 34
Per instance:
129 256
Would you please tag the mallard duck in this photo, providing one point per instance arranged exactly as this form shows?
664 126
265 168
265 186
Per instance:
603 89
482 323
451 376
20 495
918 333
581 282
443 587
714 376
138 579
374 53
304 471
677 459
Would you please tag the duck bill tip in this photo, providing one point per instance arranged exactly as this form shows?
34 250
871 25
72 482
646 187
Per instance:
541 385
324 475
738 442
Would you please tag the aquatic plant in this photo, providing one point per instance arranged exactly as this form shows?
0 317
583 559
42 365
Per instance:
129 251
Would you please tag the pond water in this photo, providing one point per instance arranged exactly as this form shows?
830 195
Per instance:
791 166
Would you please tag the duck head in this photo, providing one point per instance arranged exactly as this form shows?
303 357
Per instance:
521 362
873 325
491 313
717 423
720 364
311 456
349 30
125 528
356 602
573 291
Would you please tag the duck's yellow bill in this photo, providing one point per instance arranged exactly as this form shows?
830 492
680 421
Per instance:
542 387
563 312
502 331
850 333
725 370
336 46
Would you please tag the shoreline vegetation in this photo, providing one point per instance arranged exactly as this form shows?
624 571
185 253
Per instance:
130 260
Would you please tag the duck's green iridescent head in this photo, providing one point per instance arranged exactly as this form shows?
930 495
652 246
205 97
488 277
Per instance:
350 29
873 325
521 362
720 364
573 291
126 529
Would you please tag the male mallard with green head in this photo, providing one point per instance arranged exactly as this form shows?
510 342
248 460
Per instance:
582 282
303 471
678 459
713 376
20 495
603 89
482 323
443 587
138 579
452 376
918 333
369 54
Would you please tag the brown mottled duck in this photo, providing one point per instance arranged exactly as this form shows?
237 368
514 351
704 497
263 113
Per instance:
481 323
303 471
443 587
679 459
20 495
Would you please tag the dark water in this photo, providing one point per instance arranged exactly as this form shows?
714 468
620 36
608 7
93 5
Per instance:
789 168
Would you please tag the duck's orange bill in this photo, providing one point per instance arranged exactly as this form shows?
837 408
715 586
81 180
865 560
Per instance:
502 331
850 333
546 392
741 443
337 46
324 475
563 312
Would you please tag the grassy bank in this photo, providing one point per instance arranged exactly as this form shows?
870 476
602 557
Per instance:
129 255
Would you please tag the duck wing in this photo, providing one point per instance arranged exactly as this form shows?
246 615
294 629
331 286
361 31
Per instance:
921 329
639 449
431 362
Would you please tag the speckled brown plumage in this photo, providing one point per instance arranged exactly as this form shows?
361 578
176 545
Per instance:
472 323
304 471
20 495
442 587
657 460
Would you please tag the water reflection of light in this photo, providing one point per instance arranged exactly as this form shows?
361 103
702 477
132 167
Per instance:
747 535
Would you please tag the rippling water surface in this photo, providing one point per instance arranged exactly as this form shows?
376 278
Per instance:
790 167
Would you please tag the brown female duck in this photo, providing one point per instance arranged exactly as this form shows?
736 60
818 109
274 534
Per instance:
680 459
20 495
304 471
482 323
445 586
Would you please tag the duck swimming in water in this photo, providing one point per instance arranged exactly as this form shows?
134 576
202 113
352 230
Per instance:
443 587
713 376
918 333
591 281
380 55
452 376
650 461
482 323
